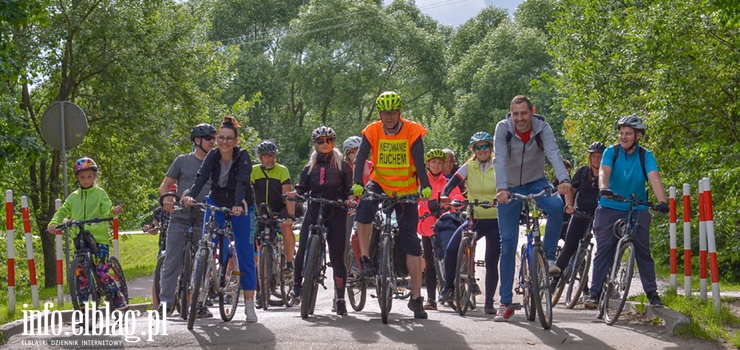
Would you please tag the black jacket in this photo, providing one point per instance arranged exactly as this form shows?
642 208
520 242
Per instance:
238 186
326 181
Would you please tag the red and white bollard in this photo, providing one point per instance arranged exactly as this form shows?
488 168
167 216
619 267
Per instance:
672 231
712 245
9 236
60 265
687 240
702 244
115 237
29 252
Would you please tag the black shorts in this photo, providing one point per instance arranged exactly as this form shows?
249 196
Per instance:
407 216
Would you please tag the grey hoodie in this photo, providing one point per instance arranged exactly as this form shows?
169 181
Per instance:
517 163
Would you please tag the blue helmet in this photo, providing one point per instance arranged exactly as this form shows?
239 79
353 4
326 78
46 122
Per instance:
480 136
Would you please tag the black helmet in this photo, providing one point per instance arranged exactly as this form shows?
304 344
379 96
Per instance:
632 121
596 147
323 131
202 130
265 147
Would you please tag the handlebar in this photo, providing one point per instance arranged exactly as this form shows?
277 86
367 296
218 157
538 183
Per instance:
407 199
547 191
333 202
465 204
632 201
80 223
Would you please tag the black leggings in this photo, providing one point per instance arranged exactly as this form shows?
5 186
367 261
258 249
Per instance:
576 229
335 221
430 274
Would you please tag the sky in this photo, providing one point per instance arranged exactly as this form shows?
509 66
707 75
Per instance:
456 12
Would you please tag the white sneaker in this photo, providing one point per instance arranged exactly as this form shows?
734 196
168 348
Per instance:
554 269
250 311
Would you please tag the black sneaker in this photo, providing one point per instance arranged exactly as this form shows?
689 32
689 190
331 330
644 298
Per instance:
489 309
417 306
341 307
655 300
288 270
591 303
445 294
203 312
296 292
476 289
367 268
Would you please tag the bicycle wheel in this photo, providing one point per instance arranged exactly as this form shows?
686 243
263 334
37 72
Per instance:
578 278
541 287
183 282
356 288
311 281
440 270
80 276
158 277
386 278
525 283
230 285
197 282
286 281
265 274
621 280
462 288
116 272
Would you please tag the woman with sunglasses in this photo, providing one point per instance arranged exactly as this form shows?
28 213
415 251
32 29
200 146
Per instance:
480 180
230 168
325 176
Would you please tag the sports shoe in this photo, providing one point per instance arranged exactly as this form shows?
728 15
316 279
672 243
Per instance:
341 307
476 289
655 300
554 269
203 312
367 268
417 306
489 309
250 311
504 313
591 303
288 270
430 305
445 294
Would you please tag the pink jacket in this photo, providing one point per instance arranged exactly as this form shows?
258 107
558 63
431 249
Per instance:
425 227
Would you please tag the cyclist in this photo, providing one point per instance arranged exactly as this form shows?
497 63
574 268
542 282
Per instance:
88 202
627 180
160 223
325 176
451 166
270 181
182 172
435 160
586 192
480 180
397 147
229 168
351 145
522 142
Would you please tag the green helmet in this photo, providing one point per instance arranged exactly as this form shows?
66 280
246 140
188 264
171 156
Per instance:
435 153
388 101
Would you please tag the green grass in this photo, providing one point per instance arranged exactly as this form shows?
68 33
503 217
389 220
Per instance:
664 272
138 256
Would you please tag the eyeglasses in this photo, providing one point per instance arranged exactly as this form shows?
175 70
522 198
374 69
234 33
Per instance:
323 141
208 138
226 138
482 147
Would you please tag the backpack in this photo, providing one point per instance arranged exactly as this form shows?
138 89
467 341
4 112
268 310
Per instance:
537 137
444 228
642 158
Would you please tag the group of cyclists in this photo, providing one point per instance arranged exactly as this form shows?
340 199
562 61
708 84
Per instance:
389 158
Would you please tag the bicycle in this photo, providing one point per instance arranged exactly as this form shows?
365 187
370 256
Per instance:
617 283
357 287
575 274
463 296
314 266
272 260
224 273
82 267
534 275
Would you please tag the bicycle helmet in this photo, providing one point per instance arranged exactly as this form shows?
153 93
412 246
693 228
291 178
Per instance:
85 163
265 147
596 147
435 153
323 131
388 101
632 121
480 136
202 130
352 142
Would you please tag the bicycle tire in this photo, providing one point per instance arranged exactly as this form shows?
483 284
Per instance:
623 277
541 288
462 287
562 281
158 277
78 265
230 285
386 278
183 282
439 270
578 279
286 282
310 282
526 282
265 274
116 272
197 282
356 288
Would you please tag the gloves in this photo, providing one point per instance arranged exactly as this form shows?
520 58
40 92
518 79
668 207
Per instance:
606 193
426 192
662 207
358 190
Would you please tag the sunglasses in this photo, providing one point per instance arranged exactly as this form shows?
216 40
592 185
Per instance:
323 141
482 147
208 138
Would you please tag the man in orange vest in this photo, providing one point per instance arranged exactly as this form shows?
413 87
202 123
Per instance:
397 147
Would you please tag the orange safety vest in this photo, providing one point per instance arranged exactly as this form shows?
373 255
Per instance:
394 169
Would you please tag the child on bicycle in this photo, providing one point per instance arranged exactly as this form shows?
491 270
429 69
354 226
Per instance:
87 202
160 224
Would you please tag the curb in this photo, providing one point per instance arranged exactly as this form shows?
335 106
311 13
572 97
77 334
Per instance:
16 327
672 319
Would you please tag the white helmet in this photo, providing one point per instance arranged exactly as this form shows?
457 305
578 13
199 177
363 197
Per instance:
352 142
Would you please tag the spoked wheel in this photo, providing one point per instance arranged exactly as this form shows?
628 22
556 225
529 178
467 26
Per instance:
157 277
265 274
463 283
440 271
527 300
578 279
356 288
541 288
116 272
81 281
286 282
183 283
621 278
229 276
311 282
386 280
198 283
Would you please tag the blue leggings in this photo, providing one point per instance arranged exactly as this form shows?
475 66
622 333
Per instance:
243 226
